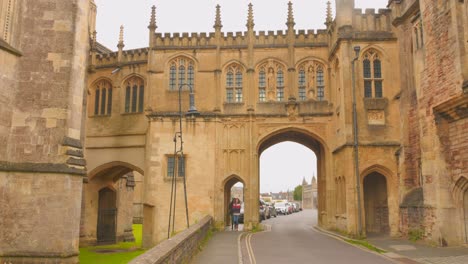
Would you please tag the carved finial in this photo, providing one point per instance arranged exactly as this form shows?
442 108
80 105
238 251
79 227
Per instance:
304 181
121 38
290 23
152 25
218 24
250 19
329 18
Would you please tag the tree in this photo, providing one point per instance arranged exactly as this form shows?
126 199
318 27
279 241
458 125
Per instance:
298 193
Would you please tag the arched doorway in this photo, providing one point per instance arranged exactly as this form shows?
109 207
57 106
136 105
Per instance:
233 188
316 180
376 204
107 216
108 204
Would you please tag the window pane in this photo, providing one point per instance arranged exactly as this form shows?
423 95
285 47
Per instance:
368 89
134 98
378 89
229 95
181 75
103 101
262 79
302 94
181 167
96 102
109 102
280 94
190 76
172 79
229 79
141 98
261 95
367 71
170 166
377 69
302 78
320 80
127 99
238 95
280 79
320 93
238 79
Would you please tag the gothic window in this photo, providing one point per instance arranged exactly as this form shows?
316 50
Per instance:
134 95
181 74
302 85
372 73
173 163
271 82
262 85
311 81
102 98
234 84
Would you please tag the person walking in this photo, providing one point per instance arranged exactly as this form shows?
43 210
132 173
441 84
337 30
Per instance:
230 213
236 206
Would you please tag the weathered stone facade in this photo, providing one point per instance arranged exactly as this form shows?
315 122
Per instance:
43 59
252 90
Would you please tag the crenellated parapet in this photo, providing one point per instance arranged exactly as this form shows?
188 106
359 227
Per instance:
238 39
133 56
370 20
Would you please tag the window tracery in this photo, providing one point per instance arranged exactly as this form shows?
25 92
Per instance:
271 82
102 98
134 95
311 81
181 73
372 74
234 84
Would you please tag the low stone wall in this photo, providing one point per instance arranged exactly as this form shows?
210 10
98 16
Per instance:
178 249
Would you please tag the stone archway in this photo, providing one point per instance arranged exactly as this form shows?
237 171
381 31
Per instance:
107 202
316 145
376 204
228 185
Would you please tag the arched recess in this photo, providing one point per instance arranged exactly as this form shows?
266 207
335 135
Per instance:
228 184
117 178
460 195
314 143
376 204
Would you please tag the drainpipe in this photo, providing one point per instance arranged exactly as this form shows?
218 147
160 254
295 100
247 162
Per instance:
357 49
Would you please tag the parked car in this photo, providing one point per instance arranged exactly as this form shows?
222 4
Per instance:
241 216
263 210
290 208
282 208
272 209
298 205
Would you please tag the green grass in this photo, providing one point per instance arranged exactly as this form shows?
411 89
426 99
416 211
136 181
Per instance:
365 244
131 250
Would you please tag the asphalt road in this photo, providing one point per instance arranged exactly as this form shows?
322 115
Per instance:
293 239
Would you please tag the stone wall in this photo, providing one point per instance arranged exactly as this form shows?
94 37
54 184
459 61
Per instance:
42 166
180 248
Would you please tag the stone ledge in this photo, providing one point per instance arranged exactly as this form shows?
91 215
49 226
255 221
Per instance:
8 48
178 249
71 142
40 168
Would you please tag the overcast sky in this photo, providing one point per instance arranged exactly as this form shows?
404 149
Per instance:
282 166
198 16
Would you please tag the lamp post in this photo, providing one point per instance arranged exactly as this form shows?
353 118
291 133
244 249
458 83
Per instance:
357 49
179 152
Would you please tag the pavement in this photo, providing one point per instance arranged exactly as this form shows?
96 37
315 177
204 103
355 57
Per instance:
310 244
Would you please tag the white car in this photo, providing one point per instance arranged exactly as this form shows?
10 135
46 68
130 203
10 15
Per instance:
282 208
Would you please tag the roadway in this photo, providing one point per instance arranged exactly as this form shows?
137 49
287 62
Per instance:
292 239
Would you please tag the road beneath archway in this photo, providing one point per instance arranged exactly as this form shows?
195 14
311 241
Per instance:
293 239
